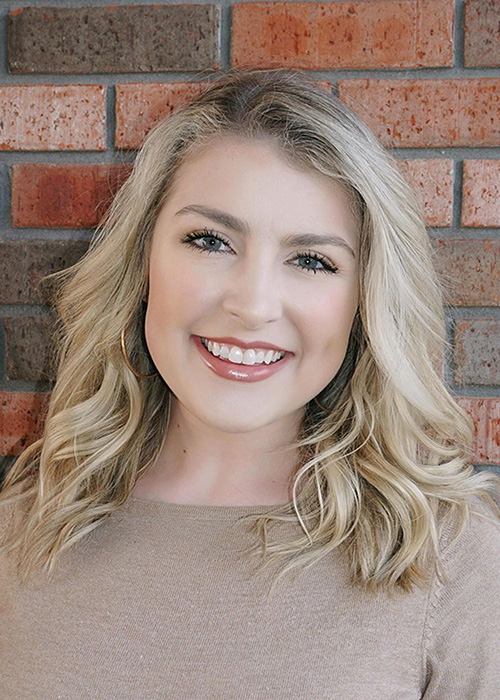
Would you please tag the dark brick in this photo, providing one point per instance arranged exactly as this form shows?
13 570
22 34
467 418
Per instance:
482 33
22 417
477 358
72 196
123 39
23 264
29 347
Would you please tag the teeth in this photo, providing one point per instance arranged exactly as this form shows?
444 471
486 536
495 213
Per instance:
239 356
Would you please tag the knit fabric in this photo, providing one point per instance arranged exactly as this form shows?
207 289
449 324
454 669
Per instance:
160 601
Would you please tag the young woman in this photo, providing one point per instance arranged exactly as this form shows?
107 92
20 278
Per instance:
253 482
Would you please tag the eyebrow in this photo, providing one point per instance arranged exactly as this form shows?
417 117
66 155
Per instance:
241 226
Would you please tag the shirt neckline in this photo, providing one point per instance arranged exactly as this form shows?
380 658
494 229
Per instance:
196 511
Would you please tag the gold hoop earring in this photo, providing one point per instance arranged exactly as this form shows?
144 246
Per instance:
124 352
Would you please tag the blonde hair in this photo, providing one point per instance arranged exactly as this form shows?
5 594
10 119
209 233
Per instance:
377 470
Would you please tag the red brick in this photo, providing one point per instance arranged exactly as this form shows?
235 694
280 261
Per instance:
477 357
486 416
53 117
421 113
58 196
140 106
130 39
482 33
470 270
310 35
481 193
22 415
432 180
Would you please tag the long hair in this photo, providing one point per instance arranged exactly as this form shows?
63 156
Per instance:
387 459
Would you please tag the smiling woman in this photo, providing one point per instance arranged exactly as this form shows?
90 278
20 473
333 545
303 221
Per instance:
250 372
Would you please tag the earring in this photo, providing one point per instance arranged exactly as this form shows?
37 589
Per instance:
124 352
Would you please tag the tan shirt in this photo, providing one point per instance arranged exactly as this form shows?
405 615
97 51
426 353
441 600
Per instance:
158 603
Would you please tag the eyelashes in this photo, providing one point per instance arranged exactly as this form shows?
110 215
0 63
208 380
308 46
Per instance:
190 239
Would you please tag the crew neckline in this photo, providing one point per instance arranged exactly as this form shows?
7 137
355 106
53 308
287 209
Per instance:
197 511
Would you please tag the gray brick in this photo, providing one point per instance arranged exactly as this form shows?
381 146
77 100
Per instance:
482 33
113 39
29 347
477 351
23 264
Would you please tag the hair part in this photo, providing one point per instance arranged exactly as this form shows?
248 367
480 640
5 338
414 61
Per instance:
379 473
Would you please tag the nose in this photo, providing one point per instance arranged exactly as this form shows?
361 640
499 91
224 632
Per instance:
254 294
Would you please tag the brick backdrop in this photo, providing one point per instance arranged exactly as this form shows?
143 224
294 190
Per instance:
81 84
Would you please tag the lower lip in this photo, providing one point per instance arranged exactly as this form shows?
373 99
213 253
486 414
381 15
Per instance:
239 372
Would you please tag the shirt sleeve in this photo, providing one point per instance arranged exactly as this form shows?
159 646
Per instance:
462 632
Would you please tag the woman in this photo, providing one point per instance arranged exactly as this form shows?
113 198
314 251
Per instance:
253 482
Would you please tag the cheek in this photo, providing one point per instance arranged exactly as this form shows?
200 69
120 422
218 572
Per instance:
173 294
328 326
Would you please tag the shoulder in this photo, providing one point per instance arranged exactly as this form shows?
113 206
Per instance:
461 640
477 542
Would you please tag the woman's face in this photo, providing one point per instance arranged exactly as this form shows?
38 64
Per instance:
245 278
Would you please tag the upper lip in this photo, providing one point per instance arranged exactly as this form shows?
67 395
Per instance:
241 343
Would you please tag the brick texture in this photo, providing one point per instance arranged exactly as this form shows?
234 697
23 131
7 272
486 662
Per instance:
135 49
432 180
113 39
29 347
481 193
53 118
66 195
470 270
426 113
22 416
482 33
477 359
140 106
380 34
486 416
23 263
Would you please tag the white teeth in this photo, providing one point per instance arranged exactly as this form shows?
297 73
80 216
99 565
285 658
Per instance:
239 356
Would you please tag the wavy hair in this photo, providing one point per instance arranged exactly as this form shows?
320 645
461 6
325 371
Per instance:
383 463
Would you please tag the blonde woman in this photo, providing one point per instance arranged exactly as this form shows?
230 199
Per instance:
252 481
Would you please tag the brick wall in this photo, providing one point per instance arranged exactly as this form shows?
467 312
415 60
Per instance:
81 83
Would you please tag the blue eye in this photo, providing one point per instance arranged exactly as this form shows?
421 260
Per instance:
216 239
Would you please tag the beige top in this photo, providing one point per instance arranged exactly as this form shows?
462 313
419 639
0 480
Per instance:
157 603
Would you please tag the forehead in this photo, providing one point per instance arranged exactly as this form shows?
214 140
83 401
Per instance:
257 180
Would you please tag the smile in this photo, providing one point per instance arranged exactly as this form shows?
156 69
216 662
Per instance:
238 370
237 355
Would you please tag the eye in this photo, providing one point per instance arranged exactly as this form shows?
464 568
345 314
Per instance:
216 239
327 266
212 236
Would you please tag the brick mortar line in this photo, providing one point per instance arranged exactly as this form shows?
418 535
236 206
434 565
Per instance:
459 34
328 74
3 355
5 221
457 190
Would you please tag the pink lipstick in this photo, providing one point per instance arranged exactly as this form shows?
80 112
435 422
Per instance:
239 372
